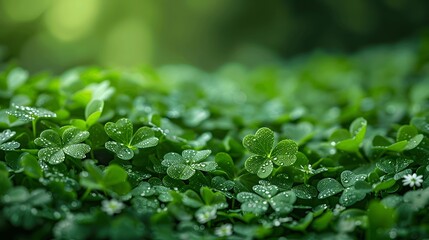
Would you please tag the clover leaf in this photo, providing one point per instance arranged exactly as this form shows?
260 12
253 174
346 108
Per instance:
266 195
351 194
351 140
56 147
4 137
28 114
125 142
394 166
407 138
184 166
261 145
112 179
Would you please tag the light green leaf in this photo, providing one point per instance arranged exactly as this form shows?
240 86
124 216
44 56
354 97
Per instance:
204 166
114 174
77 150
195 156
259 165
144 138
180 171
48 138
93 111
52 155
284 153
74 135
29 114
261 143
121 131
265 191
9 146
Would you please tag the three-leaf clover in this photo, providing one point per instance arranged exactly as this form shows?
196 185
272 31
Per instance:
55 147
5 136
184 166
261 144
267 195
125 142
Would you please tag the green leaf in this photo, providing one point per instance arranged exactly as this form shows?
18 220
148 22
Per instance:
93 111
121 131
29 114
391 165
204 166
348 178
305 191
380 220
265 191
259 165
225 162
16 78
31 166
180 171
77 150
261 143
74 135
195 156
172 159
283 202
284 153
144 138
122 151
48 138
357 131
253 203
114 174
350 196
52 155
328 187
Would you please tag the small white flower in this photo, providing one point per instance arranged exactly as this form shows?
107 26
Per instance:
413 180
338 209
224 230
307 169
112 206
205 214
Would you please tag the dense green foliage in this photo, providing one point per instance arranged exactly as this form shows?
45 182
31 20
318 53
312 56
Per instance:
321 147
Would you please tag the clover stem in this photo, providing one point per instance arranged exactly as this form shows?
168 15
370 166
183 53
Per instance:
34 127
85 195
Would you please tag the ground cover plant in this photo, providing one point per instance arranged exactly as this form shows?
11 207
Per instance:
321 147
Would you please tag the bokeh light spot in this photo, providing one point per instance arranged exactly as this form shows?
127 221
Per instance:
69 20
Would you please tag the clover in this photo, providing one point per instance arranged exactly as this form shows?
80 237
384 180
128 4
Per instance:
266 195
261 145
29 114
56 147
125 142
352 185
184 166
4 137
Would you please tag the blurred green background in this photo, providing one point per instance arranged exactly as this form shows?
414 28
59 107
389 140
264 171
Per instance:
58 34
